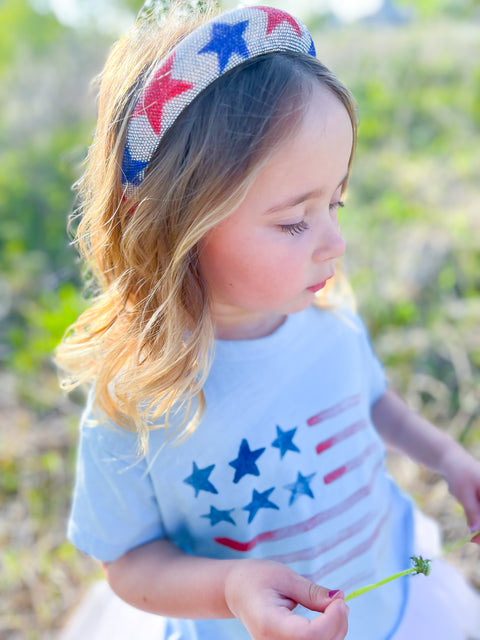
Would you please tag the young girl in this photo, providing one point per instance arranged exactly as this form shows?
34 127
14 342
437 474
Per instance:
231 468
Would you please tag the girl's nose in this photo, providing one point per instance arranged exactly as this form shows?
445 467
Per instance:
330 243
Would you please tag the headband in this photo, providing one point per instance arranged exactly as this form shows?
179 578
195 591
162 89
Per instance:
197 61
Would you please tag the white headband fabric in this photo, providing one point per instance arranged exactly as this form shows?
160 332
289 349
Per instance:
197 61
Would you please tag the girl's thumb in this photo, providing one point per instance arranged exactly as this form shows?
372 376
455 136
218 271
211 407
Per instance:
314 597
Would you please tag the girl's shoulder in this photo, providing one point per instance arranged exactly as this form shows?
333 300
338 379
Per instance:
102 435
342 327
102 438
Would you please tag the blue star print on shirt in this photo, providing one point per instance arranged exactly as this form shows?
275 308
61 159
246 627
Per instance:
199 479
259 501
284 441
216 516
227 39
244 463
301 487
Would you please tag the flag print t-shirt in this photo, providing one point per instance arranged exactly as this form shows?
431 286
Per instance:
285 465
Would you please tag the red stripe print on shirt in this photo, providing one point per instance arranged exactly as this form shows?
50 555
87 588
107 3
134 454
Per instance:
306 525
354 553
335 410
352 464
348 432
326 545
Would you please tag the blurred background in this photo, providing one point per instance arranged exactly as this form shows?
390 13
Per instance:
412 225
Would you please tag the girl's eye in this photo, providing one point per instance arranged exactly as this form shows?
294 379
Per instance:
296 227
336 205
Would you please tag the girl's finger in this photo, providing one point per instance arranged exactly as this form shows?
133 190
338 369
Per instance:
333 624
330 625
313 596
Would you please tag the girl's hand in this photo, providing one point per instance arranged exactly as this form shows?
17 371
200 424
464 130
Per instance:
462 473
263 594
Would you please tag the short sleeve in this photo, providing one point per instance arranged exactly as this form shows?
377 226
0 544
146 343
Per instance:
114 508
374 371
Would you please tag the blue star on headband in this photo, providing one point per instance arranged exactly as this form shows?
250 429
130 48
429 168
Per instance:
131 168
227 39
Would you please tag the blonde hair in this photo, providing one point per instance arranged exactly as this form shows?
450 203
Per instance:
146 340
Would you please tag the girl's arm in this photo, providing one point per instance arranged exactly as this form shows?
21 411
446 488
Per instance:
159 578
407 431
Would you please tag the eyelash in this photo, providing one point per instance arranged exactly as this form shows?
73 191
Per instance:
296 227
299 227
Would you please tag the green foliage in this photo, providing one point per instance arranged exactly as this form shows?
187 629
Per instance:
23 30
44 322
44 133
35 195
159 8
429 9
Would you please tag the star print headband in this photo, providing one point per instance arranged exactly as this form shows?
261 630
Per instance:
198 60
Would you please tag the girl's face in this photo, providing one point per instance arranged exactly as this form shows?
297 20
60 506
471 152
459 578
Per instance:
270 256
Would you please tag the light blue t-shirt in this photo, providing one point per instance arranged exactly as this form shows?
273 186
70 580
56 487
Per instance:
285 465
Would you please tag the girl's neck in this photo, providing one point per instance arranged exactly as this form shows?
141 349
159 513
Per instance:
249 327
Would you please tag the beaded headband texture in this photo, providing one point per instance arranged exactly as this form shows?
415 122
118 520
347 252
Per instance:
198 60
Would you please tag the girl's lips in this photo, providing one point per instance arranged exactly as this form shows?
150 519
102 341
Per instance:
317 287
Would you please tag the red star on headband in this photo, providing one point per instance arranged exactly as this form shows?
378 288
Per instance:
160 90
276 17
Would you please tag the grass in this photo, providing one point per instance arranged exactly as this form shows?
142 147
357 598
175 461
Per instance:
41 574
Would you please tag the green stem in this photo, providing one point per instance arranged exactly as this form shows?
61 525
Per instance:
359 592
448 548
421 566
